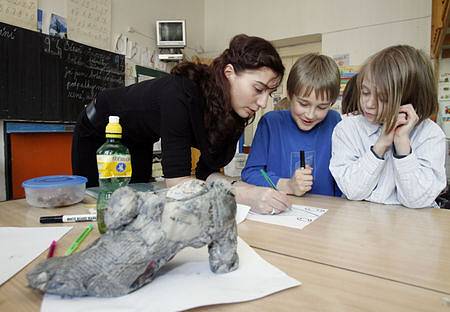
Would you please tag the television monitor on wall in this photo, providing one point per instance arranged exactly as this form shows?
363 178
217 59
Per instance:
171 34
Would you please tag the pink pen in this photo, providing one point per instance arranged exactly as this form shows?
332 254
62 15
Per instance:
51 249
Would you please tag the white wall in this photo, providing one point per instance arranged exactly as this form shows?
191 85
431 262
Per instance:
142 15
358 27
364 41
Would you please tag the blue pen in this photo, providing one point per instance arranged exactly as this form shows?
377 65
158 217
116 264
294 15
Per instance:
267 178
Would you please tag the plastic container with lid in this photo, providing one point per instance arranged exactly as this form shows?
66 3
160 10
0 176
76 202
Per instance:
54 191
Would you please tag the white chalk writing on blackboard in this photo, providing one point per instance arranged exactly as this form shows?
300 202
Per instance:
52 46
8 32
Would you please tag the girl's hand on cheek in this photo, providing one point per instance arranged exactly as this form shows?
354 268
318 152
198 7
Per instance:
406 122
408 119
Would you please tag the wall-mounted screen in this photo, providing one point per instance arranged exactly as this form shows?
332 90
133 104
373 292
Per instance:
171 34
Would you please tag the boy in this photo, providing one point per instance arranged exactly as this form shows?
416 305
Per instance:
312 86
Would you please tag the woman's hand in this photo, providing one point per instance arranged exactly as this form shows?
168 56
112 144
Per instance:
261 199
407 120
300 183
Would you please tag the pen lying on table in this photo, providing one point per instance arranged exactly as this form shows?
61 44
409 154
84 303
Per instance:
51 249
79 240
68 218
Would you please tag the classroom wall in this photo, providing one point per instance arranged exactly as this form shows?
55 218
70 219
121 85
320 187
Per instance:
141 15
357 27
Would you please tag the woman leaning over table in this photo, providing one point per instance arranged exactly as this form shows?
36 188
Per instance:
200 106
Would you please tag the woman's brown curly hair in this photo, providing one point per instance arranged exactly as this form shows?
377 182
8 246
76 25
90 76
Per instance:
244 53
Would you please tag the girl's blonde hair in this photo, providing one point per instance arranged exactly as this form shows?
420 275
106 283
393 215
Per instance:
400 75
314 72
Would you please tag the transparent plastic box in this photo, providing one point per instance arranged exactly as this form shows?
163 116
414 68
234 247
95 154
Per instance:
54 191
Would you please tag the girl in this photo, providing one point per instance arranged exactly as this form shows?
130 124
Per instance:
200 106
391 152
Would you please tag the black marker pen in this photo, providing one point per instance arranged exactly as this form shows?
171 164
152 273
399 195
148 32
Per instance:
302 159
68 218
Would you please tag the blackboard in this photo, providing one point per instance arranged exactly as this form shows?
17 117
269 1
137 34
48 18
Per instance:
49 78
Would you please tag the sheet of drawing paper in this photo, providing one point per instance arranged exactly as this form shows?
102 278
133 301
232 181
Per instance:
241 213
21 245
295 217
186 282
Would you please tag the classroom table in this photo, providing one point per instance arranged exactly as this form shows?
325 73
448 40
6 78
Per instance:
411 246
332 280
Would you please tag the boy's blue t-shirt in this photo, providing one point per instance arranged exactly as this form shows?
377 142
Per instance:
276 147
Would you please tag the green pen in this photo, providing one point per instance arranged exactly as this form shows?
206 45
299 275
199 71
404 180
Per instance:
267 178
79 240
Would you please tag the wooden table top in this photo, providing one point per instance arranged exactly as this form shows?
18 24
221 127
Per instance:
326 288
411 246
332 280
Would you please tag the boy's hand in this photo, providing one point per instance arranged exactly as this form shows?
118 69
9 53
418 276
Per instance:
302 181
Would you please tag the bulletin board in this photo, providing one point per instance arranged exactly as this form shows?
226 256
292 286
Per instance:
347 72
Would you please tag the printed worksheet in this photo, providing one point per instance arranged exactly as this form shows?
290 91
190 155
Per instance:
295 217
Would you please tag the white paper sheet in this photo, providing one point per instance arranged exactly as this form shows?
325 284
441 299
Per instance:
187 282
21 245
241 213
296 217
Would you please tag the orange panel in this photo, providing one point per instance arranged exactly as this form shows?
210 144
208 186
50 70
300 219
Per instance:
38 154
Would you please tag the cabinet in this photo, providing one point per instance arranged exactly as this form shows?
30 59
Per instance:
33 150
439 23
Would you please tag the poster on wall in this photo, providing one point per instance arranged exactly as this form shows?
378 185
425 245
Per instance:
342 59
19 13
89 22
443 118
347 72
58 26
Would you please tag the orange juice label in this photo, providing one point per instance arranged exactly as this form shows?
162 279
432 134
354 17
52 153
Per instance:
114 166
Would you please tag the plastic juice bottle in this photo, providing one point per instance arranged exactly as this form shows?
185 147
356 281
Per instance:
114 167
